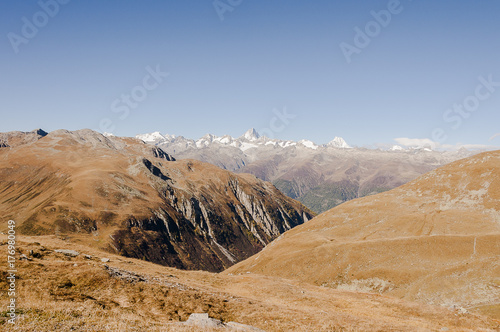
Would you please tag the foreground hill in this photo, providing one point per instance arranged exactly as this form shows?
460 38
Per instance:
435 240
58 292
134 199
319 176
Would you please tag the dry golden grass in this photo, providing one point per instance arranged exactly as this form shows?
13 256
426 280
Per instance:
60 293
435 240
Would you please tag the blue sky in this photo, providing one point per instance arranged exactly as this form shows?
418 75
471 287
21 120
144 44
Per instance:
408 78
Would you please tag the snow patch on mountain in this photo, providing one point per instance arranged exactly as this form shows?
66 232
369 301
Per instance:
245 146
309 144
396 148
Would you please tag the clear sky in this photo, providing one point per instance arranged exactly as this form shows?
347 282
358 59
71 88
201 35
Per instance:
342 68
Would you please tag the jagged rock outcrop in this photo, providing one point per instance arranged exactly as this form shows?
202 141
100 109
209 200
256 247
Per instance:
128 197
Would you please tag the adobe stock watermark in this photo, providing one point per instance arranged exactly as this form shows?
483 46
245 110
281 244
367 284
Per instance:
221 7
278 123
127 101
459 112
11 272
363 37
30 28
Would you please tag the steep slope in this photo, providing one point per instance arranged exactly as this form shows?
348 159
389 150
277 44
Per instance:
319 176
63 293
435 240
136 200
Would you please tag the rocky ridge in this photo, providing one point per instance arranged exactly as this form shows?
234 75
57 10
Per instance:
135 199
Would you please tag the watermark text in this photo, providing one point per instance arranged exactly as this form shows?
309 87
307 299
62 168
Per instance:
127 101
11 272
459 112
363 37
30 27
222 7
278 123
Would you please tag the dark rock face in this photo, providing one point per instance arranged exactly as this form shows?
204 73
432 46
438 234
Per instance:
209 231
154 170
40 132
159 153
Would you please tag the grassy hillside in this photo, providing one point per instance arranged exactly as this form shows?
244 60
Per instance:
61 293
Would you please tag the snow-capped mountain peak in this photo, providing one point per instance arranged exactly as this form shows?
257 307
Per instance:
205 140
338 142
155 137
251 135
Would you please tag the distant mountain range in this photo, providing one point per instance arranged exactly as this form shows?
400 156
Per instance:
320 176
251 139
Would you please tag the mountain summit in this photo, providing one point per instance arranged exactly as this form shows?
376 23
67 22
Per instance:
251 135
339 142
